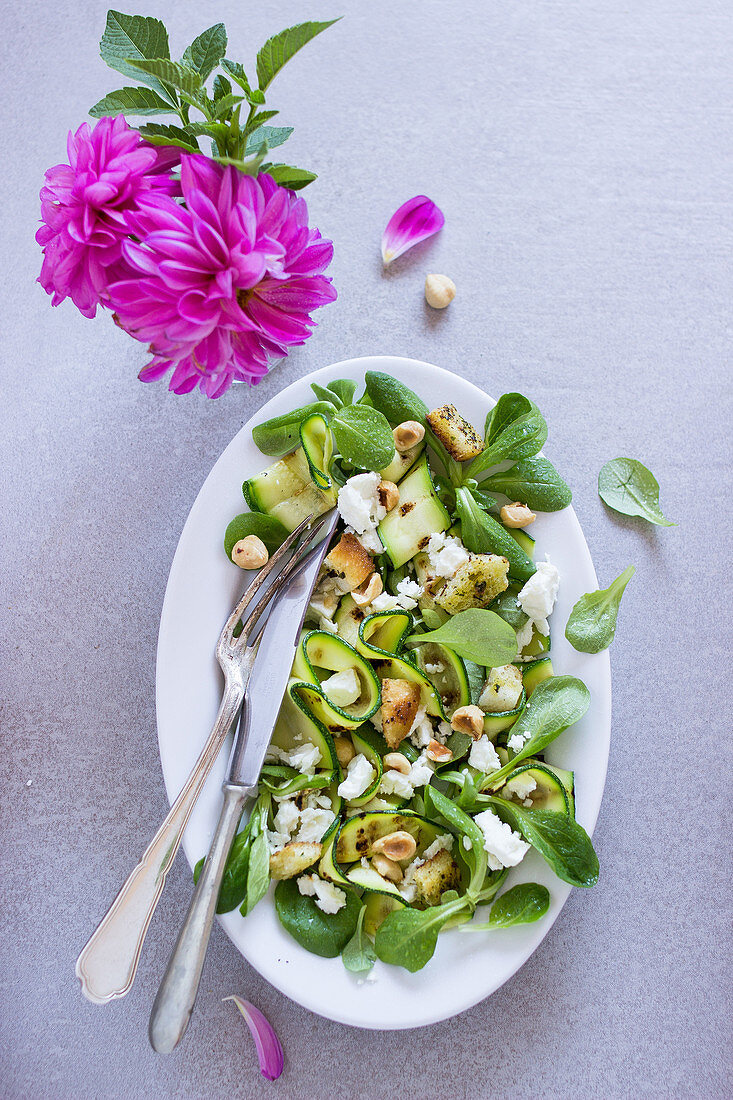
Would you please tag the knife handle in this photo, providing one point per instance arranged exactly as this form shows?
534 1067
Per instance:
107 964
178 989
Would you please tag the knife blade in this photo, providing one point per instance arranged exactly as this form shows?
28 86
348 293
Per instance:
271 673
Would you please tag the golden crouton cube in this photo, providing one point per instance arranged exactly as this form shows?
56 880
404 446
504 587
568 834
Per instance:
294 858
460 439
400 701
351 563
475 583
435 876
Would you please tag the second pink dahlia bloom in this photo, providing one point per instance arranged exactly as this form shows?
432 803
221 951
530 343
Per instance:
222 285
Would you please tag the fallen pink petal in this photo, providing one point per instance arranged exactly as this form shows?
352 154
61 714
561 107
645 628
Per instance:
269 1050
415 221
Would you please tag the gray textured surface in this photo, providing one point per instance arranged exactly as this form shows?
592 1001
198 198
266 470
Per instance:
577 149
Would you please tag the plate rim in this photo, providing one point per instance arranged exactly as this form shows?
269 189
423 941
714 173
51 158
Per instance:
602 662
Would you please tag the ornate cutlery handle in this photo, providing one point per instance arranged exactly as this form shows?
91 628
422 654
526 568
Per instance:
177 993
106 966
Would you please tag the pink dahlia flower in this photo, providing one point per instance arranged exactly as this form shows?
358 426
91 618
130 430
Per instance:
86 204
224 283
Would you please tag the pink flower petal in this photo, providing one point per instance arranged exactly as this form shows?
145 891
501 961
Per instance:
415 221
269 1050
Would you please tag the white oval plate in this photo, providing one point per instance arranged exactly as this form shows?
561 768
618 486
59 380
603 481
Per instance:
202 589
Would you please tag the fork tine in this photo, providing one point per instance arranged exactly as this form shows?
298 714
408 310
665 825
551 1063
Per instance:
251 591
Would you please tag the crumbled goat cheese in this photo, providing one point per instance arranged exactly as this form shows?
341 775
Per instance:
359 775
443 732
433 669
313 823
440 842
410 589
325 600
394 782
421 772
287 817
446 554
504 847
408 887
524 635
538 596
421 730
520 787
328 897
370 540
343 688
483 756
516 742
327 625
276 841
304 758
408 593
358 503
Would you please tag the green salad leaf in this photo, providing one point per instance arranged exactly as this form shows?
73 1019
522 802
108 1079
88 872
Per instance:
626 485
359 955
515 428
592 623
272 532
478 635
559 839
324 934
281 434
408 937
394 399
533 481
363 436
482 534
258 873
523 904
457 820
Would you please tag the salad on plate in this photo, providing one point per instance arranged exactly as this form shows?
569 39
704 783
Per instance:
406 775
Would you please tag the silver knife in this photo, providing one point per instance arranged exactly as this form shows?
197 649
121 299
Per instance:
177 993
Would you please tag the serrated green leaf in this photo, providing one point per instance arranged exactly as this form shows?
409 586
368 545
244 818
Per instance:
216 130
236 72
132 101
222 87
257 120
158 134
287 176
182 77
279 49
128 37
223 105
273 135
250 167
206 51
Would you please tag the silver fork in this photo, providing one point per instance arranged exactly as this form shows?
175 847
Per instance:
107 964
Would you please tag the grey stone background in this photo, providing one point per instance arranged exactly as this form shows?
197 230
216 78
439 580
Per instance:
581 152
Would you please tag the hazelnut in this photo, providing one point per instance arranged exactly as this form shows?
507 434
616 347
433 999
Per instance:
407 434
345 751
439 291
388 495
387 868
396 846
439 753
250 553
397 762
368 590
469 720
517 515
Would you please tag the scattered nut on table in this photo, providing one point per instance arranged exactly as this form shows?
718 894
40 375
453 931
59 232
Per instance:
439 291
250 553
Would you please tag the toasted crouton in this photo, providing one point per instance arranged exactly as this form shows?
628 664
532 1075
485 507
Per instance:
460 439
431 583
350 561
294 858
475 583
502 691
400 701
435 876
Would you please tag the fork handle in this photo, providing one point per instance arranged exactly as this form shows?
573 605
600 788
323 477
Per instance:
178 989
107 964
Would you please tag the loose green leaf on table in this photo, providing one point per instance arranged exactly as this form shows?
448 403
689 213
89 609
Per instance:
515 429
207 50
626 485
324 934
132 101
479 635
408 937
395 400
128 38
359 955
279 49
272 532
523 904
363 437
559 839
533 481
482 534
281 434
555 705
592 623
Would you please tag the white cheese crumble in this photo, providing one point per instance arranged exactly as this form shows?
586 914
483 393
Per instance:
433 669
314 822
483 756
370 540
504 847
520 787
328 625
466 843
446 554
343 688
524 635
408 593
538 596
421 772
359 775
445 841
328 897
421 730
409 588
516 742
358 503
304 758
394 782
307 824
